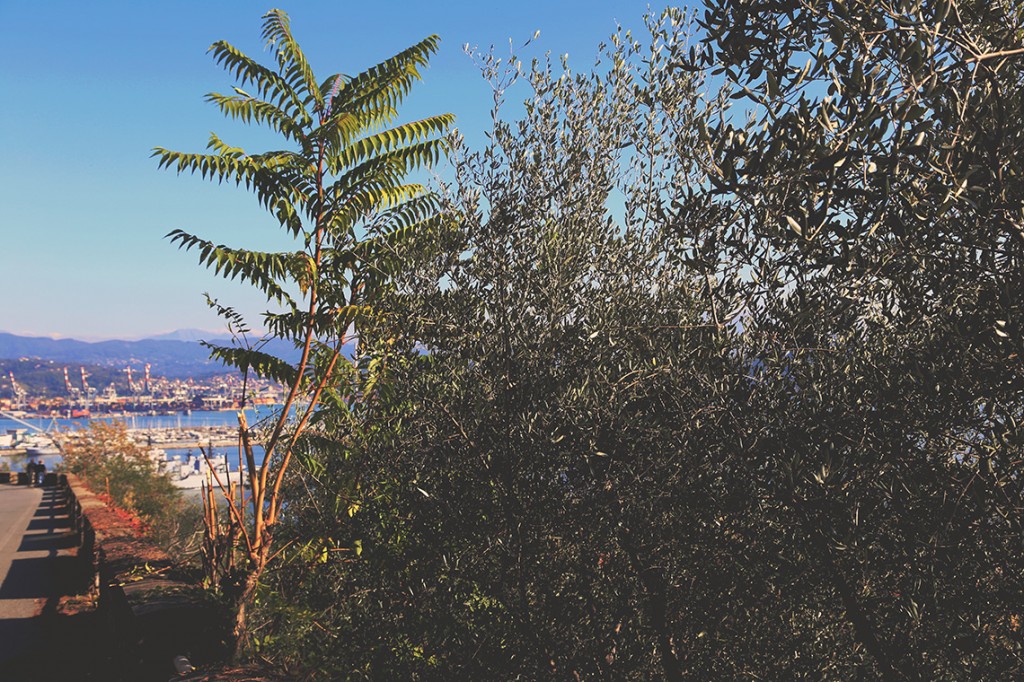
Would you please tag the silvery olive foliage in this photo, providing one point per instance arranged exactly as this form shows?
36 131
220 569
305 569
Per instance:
877 175
711 371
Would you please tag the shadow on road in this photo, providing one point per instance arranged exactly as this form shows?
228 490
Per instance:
51 641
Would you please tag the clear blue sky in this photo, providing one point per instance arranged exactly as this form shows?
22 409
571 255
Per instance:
87 89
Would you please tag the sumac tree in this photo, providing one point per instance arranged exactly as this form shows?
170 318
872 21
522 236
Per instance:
339 189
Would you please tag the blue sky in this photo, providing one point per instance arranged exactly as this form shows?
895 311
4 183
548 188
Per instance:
89 88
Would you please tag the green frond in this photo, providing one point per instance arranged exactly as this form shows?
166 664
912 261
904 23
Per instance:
379 255
270 85
278 178
340 260
248 109
235 320
344 316
391 140
290 325
277 33
369 201
286 192
229 163
373 255
332 85
388 164
330 322
384 86
337 131
262 364
261 269
391 223
376 255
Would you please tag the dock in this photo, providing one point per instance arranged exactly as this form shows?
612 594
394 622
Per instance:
195 444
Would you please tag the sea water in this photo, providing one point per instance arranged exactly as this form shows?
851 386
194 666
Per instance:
197 419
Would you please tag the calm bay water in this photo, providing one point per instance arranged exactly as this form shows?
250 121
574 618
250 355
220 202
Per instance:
173 421
140 421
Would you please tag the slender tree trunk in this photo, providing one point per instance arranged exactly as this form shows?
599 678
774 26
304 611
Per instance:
866 633
240 631
657 610
656 605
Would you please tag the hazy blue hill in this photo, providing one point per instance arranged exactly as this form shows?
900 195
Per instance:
169 357
190 335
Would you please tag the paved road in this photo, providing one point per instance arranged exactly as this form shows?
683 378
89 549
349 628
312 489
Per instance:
34 543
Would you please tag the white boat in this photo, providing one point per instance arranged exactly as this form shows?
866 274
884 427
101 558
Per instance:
40 444
159 456
193 474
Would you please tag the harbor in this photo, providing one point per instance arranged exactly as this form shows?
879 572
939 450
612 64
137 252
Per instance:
179 421
175 443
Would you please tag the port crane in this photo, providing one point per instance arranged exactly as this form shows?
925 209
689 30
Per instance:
72 390
132 388
88 392
17 391
76 403
20 399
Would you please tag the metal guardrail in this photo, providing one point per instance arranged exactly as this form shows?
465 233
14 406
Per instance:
154 616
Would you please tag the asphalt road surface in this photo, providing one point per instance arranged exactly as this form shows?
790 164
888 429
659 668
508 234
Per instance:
34 543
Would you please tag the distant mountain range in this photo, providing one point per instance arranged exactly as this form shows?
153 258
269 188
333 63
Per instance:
189 335
174 355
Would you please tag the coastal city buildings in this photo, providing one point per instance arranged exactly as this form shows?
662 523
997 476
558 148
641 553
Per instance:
148 395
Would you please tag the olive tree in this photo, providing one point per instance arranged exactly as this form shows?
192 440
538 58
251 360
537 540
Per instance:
711 370
876 179
553 371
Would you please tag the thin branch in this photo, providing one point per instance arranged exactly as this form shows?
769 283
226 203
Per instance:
275 500
995 55
229 498
318 235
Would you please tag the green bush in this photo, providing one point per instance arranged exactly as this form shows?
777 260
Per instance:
688 391
112 465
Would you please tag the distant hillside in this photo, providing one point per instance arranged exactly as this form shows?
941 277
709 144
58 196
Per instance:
169 358
45 378
190 335
172 359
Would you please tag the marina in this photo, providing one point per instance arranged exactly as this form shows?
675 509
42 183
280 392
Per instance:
175 443
135 421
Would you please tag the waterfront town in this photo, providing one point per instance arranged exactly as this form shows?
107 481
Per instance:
146 395
172 420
